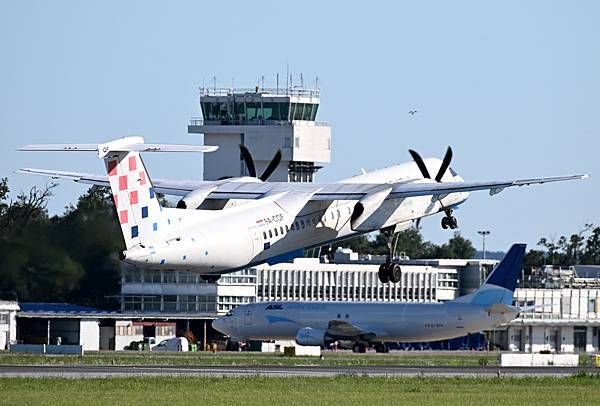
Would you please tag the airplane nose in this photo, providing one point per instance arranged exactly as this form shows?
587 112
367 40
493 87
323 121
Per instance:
220 325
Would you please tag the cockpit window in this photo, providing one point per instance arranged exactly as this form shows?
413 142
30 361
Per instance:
452 172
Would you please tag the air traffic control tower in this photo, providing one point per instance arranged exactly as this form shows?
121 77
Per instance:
263 120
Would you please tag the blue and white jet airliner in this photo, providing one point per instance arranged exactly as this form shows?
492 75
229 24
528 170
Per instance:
364 323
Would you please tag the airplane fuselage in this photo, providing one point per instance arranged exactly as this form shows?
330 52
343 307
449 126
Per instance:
255 232
410 322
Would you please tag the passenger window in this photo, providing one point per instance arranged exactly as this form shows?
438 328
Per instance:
332 215
275 231
264 235
270 234
338 211
297 226
302 223
281 230
287 229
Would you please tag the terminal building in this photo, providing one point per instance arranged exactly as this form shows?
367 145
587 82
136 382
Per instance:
304 279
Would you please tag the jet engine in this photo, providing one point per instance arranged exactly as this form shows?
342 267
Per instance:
310 336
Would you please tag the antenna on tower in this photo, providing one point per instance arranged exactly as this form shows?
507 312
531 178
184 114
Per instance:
287 77
262 82
316 83
215 82
277 86
301 81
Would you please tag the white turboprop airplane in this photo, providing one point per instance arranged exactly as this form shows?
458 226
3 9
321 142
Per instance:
364 323
252 221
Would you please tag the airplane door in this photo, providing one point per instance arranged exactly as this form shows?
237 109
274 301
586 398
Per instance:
256 241
247 317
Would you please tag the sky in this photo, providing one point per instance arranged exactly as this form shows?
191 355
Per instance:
512 86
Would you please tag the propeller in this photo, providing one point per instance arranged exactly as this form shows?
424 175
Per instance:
423 168
247 157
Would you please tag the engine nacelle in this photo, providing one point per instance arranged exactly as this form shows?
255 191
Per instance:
367 214
310 336
195 198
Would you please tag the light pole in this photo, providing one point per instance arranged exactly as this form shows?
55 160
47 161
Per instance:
483 233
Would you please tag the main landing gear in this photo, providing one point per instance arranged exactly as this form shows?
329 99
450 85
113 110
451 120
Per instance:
390 271
449 221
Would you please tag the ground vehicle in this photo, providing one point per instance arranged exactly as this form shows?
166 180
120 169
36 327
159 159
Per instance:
172 344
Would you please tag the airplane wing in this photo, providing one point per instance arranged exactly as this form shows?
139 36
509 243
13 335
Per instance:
241 188
340 329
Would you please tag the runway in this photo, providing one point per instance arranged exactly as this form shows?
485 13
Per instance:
109 371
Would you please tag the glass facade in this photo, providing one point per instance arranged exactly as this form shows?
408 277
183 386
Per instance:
170 303
241 110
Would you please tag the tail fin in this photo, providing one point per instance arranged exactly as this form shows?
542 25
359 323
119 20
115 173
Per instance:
500 285
139 211
138 208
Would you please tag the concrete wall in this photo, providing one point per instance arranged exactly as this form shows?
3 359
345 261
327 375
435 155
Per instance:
8 330
123 340
4 336
89 334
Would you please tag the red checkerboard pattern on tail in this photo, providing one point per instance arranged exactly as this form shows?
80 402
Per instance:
138 208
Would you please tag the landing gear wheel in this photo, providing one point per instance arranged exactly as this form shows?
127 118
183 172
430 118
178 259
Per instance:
210 278
394 273
445 222
383 273
358 348
381 348
449 221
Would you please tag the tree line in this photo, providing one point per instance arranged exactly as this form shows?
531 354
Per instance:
412 244
70 257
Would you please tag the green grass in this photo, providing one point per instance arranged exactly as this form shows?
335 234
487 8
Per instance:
253 359
343 390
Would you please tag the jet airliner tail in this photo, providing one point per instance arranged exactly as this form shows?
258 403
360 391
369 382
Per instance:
500 285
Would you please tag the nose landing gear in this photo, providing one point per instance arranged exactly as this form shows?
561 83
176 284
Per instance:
449 221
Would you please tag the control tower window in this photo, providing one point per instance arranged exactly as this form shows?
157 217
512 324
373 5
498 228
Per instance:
239 111
308 108
313 116
304 111
284 111
298 111
253 111
214 111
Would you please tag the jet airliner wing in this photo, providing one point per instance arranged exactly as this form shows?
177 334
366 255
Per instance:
242 189
341 329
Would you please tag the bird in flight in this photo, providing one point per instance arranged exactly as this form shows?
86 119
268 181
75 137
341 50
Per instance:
413 112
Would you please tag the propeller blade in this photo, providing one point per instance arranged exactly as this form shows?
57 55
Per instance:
419 161
272 166
445 165
248 161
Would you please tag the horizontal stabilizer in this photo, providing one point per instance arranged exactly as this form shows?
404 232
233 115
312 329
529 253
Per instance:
122 145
